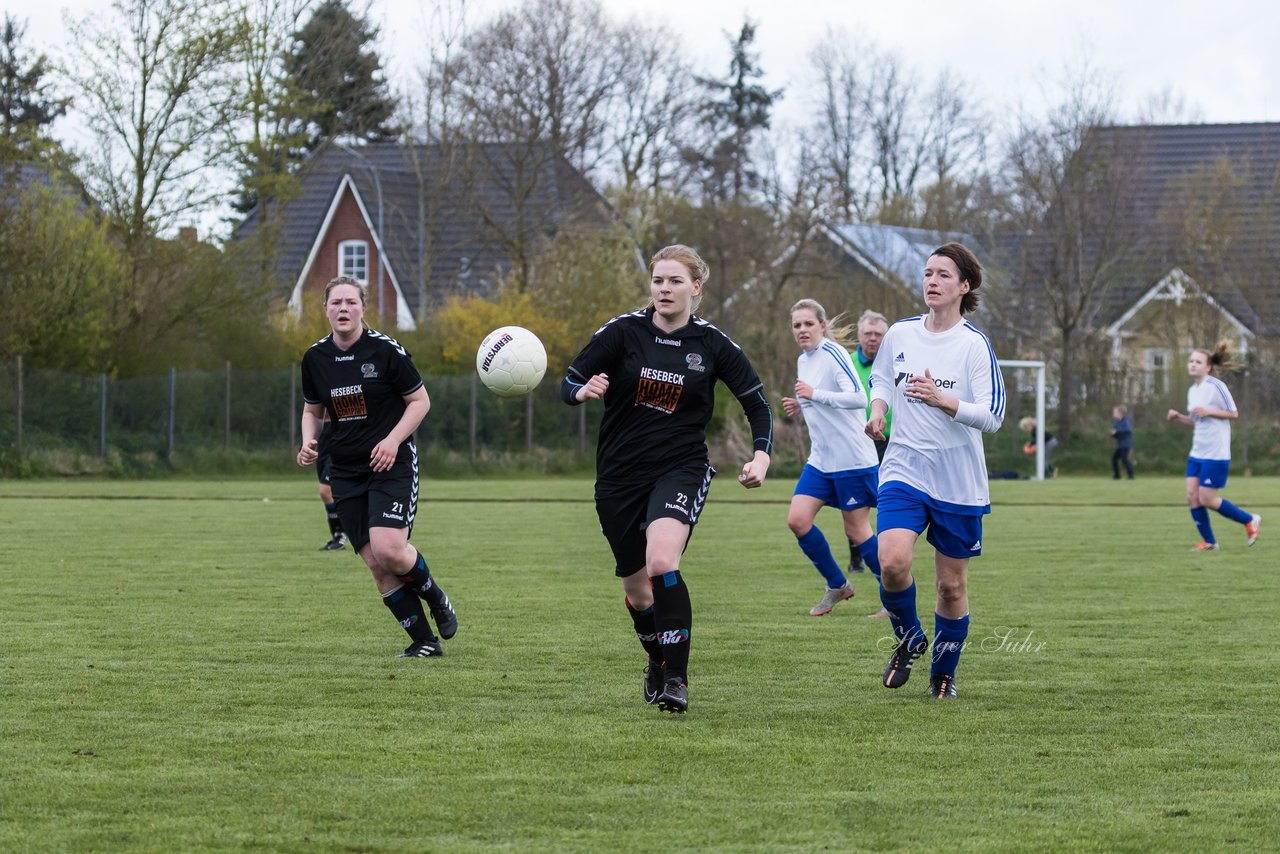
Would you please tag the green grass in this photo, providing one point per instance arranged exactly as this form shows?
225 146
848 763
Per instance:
182 670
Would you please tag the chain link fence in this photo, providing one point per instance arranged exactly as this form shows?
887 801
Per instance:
258 410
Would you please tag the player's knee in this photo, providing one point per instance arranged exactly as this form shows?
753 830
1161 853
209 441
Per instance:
894 564
952 590
799 525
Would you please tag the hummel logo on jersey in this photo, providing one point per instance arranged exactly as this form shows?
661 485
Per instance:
350 357
670 342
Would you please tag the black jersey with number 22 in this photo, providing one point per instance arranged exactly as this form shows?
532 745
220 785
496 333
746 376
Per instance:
662 393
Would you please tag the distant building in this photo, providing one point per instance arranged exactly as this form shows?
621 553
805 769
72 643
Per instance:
417 223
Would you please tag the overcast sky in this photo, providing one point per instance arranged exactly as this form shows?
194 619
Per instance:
1221 56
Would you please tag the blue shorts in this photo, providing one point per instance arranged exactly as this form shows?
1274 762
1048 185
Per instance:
1210 473
844 490
956 535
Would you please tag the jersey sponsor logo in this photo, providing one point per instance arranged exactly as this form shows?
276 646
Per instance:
659 390
673 636
670 342
369 371
662 376
694 361
661 396
348 403
350 357
907 376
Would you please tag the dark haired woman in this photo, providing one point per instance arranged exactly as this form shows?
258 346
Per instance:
939 374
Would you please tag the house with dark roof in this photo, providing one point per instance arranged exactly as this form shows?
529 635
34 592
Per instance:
1210 199
417 223
1187 255
850 267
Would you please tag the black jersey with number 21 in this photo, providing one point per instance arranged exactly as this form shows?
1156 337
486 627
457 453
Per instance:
363 389
662 393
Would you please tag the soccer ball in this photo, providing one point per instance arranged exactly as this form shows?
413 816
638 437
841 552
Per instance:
511 361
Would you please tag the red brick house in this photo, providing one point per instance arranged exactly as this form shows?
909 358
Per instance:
419 222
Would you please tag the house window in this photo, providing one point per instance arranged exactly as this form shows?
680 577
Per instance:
1155 362
353 260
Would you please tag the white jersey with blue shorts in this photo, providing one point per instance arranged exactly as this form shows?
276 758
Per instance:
930 451
1212 438
836 417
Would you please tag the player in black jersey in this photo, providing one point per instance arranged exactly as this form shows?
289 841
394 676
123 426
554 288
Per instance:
375 398
656 370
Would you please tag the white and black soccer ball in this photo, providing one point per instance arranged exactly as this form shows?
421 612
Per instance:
511 361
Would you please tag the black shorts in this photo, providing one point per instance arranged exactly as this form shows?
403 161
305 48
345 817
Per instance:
625 510
369 499
324 464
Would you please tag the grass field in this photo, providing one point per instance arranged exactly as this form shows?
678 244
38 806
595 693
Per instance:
182 670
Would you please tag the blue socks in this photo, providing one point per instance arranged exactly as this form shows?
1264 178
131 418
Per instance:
1201 517
870 551
948 642
901 605
1234 513
815 547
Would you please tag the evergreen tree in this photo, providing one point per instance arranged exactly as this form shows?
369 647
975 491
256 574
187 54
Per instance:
27 107
736 108
339 75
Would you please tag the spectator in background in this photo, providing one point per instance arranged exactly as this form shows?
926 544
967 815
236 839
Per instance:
1122 432
1028 425
872 326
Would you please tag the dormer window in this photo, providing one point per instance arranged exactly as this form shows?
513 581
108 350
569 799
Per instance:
353 260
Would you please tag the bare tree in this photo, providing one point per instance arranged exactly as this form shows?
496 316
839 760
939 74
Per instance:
888 149
1068 187
654 108
543 73
153 84
528 90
